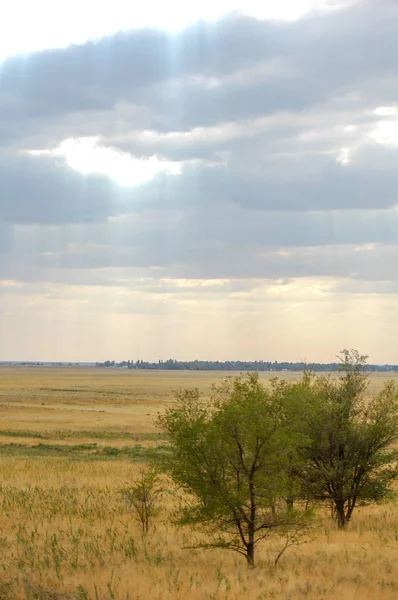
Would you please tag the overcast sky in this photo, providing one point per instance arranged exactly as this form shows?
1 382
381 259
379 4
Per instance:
215 183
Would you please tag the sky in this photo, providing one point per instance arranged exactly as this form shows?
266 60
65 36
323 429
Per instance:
217 182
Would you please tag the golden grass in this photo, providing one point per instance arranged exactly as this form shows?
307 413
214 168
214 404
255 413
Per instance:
101 399
64 525
65 532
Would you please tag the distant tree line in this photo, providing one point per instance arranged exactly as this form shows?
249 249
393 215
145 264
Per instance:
234 365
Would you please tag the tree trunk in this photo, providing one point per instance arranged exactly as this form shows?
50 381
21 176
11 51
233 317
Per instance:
252 523
250 554
340 516
290 503
290 497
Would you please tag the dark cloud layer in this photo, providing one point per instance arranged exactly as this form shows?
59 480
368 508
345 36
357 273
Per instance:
317 58
36 190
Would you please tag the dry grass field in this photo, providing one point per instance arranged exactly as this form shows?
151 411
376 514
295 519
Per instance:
70 438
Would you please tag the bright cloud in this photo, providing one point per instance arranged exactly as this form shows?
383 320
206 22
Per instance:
386 133
87 156
344 157
386 111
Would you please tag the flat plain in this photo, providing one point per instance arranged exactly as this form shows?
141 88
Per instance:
70 438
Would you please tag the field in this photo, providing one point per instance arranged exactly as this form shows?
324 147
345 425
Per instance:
69 440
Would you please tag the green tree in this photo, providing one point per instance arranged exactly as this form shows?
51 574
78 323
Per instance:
143 495
348 459
230 455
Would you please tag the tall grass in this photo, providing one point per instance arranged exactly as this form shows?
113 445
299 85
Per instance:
66 532
62 538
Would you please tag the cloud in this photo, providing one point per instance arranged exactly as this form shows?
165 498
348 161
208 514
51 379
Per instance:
234 69
36 189
39 189
360 246
168 170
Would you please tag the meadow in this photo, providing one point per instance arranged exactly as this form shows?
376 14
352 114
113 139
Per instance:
70 438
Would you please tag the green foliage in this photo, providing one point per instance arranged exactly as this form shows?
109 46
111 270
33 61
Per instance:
349 459
94 434
143 495
249 455
231 456
84 452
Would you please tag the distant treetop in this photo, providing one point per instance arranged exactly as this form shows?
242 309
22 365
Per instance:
234 365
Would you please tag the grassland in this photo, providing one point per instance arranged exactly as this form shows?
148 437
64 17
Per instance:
70 438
